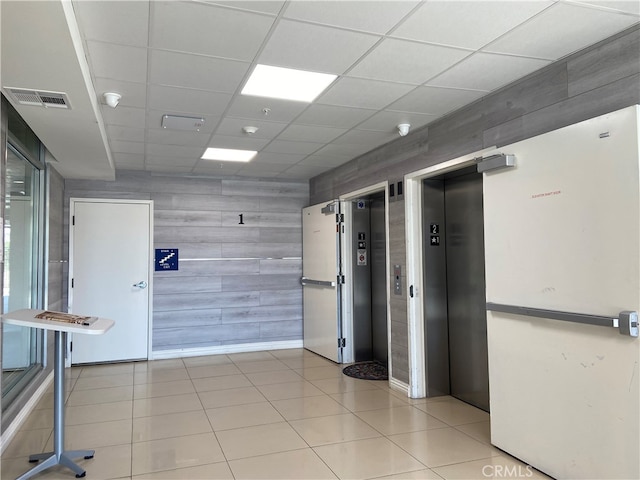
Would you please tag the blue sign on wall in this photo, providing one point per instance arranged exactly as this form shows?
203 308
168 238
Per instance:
166 259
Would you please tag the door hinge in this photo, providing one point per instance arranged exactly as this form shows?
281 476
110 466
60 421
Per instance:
73 220
342 343
341 279
72 283
71 347
339 217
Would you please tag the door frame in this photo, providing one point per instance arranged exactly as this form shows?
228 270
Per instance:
415 265
72 203
347 298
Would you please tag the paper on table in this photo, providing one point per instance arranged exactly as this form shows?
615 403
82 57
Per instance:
66 317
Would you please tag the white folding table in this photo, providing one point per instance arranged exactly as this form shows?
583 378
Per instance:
27 318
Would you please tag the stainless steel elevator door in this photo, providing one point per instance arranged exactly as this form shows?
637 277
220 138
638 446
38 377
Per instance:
368 224
378 280
454 283
466 296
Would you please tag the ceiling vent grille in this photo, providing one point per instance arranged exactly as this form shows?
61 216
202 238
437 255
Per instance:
39 98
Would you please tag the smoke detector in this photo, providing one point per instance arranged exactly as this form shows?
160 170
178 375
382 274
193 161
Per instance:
112 99
249 130
403 129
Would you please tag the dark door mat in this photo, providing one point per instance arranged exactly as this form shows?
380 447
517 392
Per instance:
367 371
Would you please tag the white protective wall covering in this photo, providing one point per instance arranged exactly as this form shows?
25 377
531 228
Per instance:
562 233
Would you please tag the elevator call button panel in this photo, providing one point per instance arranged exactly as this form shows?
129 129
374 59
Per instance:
361 255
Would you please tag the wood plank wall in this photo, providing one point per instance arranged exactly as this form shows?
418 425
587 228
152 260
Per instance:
600 79
236 283
57 262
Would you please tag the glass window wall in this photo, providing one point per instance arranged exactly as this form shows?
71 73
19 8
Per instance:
22 347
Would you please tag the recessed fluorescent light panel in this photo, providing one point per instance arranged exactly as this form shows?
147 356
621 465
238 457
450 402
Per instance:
286 83
228 155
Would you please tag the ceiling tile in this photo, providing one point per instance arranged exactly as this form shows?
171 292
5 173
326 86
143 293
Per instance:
358 92
130 134
435 100
566 27
278 158
252 107
234 126
242 143
306 133
293 148
176 151
127 147
468 24
367 138
314 47
129 159
256 170
265 6
406 62
196 71
331 116
380 16
118 62
386 121
197 102
124 116
199 52
127 24
485 71
133 94
214 168
177 137
210 30
629 6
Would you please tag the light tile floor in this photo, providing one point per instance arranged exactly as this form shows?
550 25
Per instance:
286 414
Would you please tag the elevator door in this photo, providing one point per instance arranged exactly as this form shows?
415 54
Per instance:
369 279
455 330
380 341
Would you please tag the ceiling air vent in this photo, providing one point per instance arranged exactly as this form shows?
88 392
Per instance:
39 98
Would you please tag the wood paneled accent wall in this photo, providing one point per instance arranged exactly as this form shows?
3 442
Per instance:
236 283
57 262
597 80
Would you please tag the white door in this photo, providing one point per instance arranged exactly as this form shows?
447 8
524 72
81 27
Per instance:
321 240
110 276
562 234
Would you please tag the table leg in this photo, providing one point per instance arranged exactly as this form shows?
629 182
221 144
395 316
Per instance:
58 456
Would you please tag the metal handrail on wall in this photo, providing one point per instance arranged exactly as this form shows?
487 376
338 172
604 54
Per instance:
626 322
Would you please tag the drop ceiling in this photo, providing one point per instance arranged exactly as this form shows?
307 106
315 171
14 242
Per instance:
397 62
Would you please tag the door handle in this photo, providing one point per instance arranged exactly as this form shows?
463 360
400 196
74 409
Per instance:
141 285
